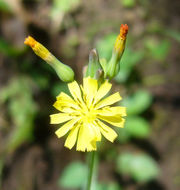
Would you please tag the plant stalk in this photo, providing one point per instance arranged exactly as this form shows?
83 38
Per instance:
91 167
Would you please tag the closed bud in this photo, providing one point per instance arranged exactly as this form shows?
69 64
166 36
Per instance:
114 63
64 72
94 68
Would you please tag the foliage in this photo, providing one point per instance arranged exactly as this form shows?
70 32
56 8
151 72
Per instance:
140 167
173 33
74 175
4 6
64 5
22 110
136 127
138 102
158 51
128 3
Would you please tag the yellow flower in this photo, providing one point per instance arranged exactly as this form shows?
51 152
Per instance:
86 113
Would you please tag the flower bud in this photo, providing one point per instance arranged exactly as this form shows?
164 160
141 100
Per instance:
64 72
94 68
114 65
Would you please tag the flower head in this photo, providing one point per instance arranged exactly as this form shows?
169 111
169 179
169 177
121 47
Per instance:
86 113
120 41
38 48
64 72
113 65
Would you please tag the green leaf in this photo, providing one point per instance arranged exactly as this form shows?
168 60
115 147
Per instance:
123 163
138 102
159 50
58 10
128 3
74 175
22 110
4 6
173 34
137 127
65 5
129 60
140 167
144 168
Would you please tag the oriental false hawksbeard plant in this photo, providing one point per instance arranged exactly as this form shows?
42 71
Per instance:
86 115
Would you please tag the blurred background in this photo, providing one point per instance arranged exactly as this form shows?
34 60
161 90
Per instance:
146 154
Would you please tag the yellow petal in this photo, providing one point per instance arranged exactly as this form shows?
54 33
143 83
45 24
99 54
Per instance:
90 89
92 146
59 118
85 139
109 100
96 131
75 90
117 121
66 127
63 100
112 111
103 90
68 110
63 96
65 106
72 137
107 132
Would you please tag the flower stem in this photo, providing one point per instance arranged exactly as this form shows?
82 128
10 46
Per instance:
90 170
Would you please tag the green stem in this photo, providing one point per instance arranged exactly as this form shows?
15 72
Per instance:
90 170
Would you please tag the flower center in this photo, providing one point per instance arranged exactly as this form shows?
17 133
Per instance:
88 115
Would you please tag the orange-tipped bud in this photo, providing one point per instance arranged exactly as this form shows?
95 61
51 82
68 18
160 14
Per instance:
64 72
38 48
30 41
123 31
119 46
120 41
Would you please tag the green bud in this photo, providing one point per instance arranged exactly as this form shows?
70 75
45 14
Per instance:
64 72
113 66
94 69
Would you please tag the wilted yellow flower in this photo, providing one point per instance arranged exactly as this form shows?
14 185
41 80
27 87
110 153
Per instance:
86 113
